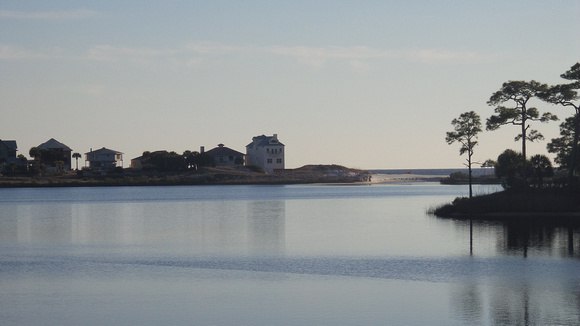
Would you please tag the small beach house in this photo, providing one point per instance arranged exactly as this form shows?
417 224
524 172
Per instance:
104 159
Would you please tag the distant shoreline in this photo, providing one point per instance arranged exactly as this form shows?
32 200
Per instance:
209 176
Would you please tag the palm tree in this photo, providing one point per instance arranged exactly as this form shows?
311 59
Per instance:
34 153
76 156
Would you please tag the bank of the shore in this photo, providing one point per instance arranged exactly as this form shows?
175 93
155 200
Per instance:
206 176
531 204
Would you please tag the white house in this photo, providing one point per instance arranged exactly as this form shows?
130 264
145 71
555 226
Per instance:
266 152
104 158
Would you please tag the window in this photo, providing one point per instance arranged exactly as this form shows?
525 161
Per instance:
269 161
279 161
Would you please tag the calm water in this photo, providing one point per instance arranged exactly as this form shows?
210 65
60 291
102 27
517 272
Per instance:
276 255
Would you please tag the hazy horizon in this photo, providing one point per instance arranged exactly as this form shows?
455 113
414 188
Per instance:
371 85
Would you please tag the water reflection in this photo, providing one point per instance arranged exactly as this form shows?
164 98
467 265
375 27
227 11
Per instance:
517 302
266 227
523 238
255 227
521 300
517 237
36 224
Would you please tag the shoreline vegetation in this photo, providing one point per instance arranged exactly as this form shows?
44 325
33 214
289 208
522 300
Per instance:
546 205
532 191
204 176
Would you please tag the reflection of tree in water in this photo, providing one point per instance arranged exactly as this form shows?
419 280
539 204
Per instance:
523 237
517 301
468 301
511 306
522 299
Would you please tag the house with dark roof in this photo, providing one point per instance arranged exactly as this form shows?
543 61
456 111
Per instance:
224 156
8 160
104 159
54 155
265 152
8 151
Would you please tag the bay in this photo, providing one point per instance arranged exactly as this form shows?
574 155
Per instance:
276 255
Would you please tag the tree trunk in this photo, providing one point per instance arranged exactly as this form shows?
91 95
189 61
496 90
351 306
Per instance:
574 154
470 176
524 156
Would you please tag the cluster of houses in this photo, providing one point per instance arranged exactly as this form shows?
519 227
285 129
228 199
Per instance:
264 152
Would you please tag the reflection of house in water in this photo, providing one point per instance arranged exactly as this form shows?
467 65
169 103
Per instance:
9 224
45 224
267 227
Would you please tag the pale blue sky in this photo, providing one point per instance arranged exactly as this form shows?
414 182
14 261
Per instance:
367 84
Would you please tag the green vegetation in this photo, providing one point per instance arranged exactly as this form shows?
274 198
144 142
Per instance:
531 185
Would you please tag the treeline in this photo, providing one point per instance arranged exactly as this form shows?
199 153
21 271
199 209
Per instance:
164 161
513 106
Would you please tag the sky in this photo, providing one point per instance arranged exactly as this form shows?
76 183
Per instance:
364 84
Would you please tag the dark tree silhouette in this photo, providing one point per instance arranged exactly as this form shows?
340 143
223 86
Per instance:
518 93
541 167
509 167
567 95
466 128
565 144
34 153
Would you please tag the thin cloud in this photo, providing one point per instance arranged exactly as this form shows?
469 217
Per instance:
11 52
190 55
317 56
47 15
359 55
214 48
115 53
442 56
357 58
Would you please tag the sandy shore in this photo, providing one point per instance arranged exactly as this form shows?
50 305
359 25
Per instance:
404 178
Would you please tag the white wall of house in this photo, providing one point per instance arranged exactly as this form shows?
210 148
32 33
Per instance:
266 152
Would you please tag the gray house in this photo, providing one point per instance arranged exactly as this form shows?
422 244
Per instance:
54 155
104 159
224 156
8 150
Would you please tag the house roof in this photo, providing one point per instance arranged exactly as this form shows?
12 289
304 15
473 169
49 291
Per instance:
221 150
53 144
104 151
10 144
264 140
